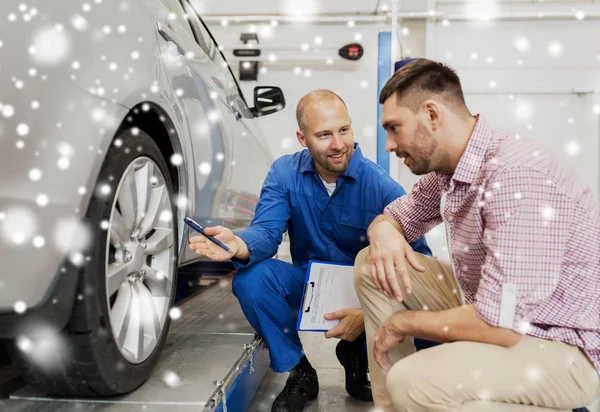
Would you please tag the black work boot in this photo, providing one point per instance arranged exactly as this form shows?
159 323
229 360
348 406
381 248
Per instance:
353 357
302 385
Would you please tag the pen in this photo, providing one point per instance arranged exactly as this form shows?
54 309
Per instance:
196 226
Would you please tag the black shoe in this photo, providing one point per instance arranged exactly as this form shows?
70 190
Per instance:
353 357
302 385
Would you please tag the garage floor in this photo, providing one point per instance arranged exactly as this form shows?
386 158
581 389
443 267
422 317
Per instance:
332 396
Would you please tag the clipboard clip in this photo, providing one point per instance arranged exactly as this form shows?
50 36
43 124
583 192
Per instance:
306 290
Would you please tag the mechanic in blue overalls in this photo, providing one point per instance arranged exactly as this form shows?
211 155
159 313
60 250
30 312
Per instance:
325 197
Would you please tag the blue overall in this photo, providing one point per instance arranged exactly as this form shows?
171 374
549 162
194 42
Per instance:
331 229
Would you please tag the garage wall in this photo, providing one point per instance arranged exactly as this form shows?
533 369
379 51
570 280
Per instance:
298 72
545 87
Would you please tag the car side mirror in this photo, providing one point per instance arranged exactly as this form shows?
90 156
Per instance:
267 100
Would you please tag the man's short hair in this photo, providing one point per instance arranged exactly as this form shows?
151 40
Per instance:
423 79
316 96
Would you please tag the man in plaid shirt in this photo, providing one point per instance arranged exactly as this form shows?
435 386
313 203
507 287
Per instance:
519 307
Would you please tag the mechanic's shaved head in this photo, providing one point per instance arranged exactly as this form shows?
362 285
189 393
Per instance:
316 97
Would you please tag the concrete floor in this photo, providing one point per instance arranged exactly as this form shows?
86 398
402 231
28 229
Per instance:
332 395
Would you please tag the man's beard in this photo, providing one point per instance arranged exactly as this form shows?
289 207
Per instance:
421 165
326 163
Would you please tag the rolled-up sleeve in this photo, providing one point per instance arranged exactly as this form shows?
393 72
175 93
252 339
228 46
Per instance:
270 221
419 211
526 234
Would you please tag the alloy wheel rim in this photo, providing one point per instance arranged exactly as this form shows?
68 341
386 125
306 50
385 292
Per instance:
140 250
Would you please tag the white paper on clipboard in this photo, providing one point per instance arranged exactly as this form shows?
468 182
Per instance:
329 287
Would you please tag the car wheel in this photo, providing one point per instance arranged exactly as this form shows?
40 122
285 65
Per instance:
120 318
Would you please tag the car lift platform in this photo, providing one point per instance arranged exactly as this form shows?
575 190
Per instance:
212 361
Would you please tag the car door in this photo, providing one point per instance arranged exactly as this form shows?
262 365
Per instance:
201 96
251 155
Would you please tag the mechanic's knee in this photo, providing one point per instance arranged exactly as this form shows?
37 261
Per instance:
362 275
250 282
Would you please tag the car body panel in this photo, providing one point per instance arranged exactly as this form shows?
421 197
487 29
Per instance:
87 70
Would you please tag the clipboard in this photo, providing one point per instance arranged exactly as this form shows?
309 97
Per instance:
328 287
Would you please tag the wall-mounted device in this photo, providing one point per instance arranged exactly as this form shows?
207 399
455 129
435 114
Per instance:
353 51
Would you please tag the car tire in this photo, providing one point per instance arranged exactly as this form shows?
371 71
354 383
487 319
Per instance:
93 359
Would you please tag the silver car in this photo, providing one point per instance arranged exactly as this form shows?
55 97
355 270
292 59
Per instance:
117 120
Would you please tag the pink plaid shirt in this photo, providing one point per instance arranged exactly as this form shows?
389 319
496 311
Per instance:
523 234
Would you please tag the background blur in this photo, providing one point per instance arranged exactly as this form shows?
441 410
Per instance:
531 67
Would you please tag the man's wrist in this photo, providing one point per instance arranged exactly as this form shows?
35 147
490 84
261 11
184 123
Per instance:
242 253
384 218
400 323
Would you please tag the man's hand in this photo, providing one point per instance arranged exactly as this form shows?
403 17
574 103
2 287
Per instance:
386 338
388 251
352 324
204 247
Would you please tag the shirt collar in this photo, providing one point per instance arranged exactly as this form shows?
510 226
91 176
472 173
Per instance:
307 164
472 159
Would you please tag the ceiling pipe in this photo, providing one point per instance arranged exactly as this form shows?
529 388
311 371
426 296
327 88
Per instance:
386 17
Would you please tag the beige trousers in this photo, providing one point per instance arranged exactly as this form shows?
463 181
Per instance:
534 375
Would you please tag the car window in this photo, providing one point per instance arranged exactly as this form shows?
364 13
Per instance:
200 33
177 13
211 49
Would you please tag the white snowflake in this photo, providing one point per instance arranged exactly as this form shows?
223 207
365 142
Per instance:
71 235
105 189
555 49
172 380
522 44
8 111
213 116
39 242
24 344
204 168
79 22
166 216
42 200
20 307
35 174
22 129
175 313
533 373
50 46
177 159
573 148
63 163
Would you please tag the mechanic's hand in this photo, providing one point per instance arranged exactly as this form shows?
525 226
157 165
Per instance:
386 338
352 324
204 247
388 251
